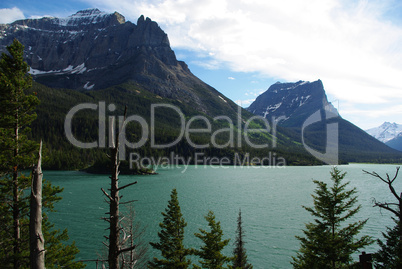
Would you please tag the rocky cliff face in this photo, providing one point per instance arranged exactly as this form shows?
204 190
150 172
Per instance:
294 102
95 50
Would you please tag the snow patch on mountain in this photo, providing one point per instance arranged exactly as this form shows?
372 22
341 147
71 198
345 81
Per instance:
386 132
301 100
79 69
271 109
223 99
291 87
87 86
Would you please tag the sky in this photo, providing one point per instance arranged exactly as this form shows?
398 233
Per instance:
241 47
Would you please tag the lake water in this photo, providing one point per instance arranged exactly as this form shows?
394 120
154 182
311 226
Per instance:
270 199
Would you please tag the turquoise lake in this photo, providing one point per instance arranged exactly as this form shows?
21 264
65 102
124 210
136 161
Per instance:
270 199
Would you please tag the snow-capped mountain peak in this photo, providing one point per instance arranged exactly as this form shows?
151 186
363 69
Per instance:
86 16
386 132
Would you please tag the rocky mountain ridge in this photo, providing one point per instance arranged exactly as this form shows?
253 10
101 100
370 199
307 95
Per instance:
303 107
396 142
93 50
93 56
292 102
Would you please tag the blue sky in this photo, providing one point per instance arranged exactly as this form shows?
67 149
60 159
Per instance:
242 47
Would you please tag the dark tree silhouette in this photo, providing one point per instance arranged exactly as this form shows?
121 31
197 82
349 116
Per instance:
239 252
171 238
329 242
211 251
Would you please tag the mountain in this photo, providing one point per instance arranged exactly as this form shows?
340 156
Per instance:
93 57
100 58
293 102
93 50
386 131
396 142
303 107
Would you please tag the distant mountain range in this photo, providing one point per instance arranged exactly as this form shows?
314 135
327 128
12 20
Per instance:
92 57
386 131
396 143
389 133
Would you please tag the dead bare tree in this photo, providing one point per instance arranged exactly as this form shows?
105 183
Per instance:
132 235
393 207
37 241
390 253
116 246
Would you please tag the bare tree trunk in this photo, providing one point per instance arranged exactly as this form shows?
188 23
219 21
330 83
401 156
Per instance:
114 212
115 244
37 241
16 207
16 219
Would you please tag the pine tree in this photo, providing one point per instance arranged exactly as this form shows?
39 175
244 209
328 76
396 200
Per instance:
239 252
17 153
171 238
16 110
388 257
328 242
211 251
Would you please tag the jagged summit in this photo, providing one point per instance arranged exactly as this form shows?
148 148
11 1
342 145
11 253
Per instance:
90 12
88 16
93 17
291 101
142 19
92 50
386 131
86 49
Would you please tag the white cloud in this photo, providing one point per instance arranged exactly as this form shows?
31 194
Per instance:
255 92
244 103
210 64
368 115
8 15
231 78
288 39
352 46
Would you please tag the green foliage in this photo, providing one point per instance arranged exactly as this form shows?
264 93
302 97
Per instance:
63 156
171 238
7 239
17 152
213 244
58 252
16 110
390 254
331 239
239 252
